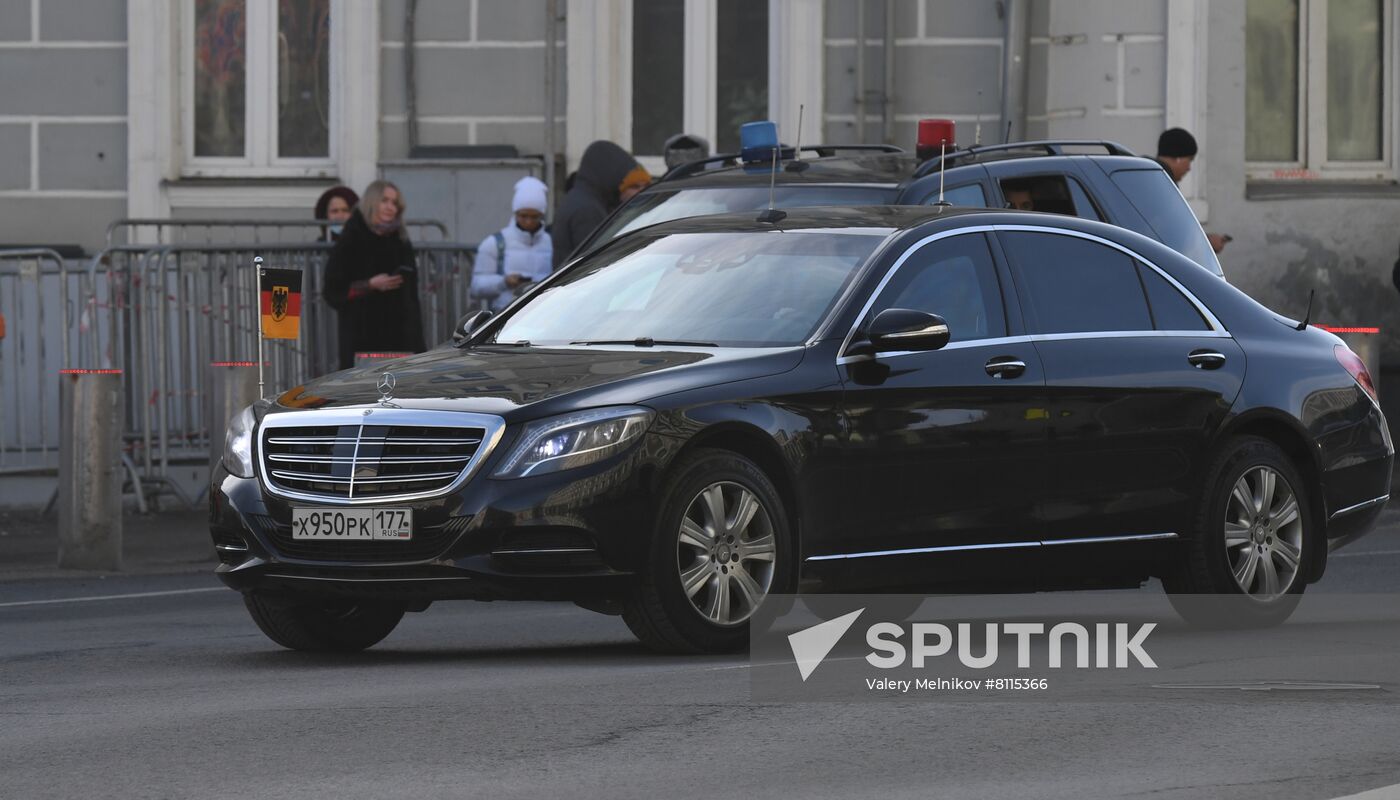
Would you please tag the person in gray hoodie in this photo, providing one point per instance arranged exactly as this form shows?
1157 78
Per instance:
607 177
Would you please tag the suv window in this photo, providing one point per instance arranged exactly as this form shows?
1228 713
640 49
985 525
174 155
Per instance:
1159 202
954 278
1073 285
1170 308
1053 194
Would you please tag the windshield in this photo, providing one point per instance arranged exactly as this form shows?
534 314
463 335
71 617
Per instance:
654 207
760 289
1154 195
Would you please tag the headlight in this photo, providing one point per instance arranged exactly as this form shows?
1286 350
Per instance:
238 444
573 440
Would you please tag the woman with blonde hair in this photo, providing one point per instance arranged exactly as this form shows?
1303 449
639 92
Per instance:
371 280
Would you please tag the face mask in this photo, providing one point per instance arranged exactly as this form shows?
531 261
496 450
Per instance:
336 228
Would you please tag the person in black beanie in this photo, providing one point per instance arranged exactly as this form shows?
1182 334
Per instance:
1176 149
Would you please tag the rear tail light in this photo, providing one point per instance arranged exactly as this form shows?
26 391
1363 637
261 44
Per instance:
1353 364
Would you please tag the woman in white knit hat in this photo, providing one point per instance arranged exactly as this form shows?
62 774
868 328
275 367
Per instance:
509 260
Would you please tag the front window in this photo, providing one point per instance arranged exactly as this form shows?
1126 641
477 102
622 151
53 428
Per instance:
697 67
653 207
1318 88
759 289
257 96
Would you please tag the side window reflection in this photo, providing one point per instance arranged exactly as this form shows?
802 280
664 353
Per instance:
954 278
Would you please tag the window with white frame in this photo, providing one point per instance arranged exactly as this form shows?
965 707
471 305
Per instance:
1319 89
698 66
257 88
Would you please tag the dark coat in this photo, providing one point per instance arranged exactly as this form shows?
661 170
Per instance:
591 197
371 320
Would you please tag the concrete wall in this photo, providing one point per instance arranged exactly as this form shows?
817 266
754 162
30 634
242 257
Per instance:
1332 240
62 120
947 64
480 75
1104 71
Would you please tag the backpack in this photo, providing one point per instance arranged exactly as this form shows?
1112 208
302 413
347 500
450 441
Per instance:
500 252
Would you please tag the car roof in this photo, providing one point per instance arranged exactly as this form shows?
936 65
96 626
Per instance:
890 219
878 168
1048 148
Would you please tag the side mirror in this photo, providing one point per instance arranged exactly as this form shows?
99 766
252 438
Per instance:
905 329
468 323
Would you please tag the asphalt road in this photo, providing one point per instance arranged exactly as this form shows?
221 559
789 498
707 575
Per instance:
166 689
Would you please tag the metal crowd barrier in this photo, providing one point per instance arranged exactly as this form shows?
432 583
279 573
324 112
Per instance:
164 315
161 231
31 353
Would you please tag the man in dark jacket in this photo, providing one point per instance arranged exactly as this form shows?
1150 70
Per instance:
607 177
371 282
1176 150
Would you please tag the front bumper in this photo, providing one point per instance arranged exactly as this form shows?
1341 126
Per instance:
572 535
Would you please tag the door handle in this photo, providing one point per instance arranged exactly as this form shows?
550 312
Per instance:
1206 359
1005 367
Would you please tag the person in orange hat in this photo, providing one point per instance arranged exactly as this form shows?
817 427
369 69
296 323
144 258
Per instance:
607 177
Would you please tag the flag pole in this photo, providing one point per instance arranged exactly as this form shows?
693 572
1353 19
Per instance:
258 267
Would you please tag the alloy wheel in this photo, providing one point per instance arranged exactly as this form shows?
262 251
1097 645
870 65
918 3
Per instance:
1263 533
726 551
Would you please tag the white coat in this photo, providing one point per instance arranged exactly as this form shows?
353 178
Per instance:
529 254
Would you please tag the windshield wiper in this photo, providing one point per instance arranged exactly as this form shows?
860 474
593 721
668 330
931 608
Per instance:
647 341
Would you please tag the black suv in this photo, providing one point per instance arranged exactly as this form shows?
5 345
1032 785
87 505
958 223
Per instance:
1096 180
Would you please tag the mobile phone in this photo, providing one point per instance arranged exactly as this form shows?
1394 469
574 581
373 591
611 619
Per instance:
406 268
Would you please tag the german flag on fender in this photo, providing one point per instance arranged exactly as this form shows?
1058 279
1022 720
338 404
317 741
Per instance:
281 303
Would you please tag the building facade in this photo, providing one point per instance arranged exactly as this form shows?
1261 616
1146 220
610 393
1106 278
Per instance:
250 108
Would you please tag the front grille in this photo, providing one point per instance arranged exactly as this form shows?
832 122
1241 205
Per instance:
426 544
367 462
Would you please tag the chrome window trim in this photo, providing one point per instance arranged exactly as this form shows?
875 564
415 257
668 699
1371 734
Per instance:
1217 330
1364 504
493 426
1142 537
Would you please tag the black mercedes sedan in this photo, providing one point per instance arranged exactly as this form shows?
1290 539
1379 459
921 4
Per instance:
710 412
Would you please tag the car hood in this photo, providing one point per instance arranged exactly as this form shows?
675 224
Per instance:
519 383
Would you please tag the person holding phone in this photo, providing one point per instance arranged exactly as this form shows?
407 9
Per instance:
512 259
371 281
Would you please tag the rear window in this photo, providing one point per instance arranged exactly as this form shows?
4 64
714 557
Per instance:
654 207
1157 199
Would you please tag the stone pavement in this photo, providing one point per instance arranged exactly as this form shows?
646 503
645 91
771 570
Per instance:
169 542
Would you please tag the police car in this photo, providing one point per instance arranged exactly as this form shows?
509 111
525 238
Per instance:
1091 179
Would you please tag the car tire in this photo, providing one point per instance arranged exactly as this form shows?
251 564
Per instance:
329 626
1246 560
732 560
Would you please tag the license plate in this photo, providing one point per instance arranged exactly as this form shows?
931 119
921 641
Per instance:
352 524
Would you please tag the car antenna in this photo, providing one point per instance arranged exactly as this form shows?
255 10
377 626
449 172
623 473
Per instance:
772 215
1007 138
797 164
977 132
1308 316
942 171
